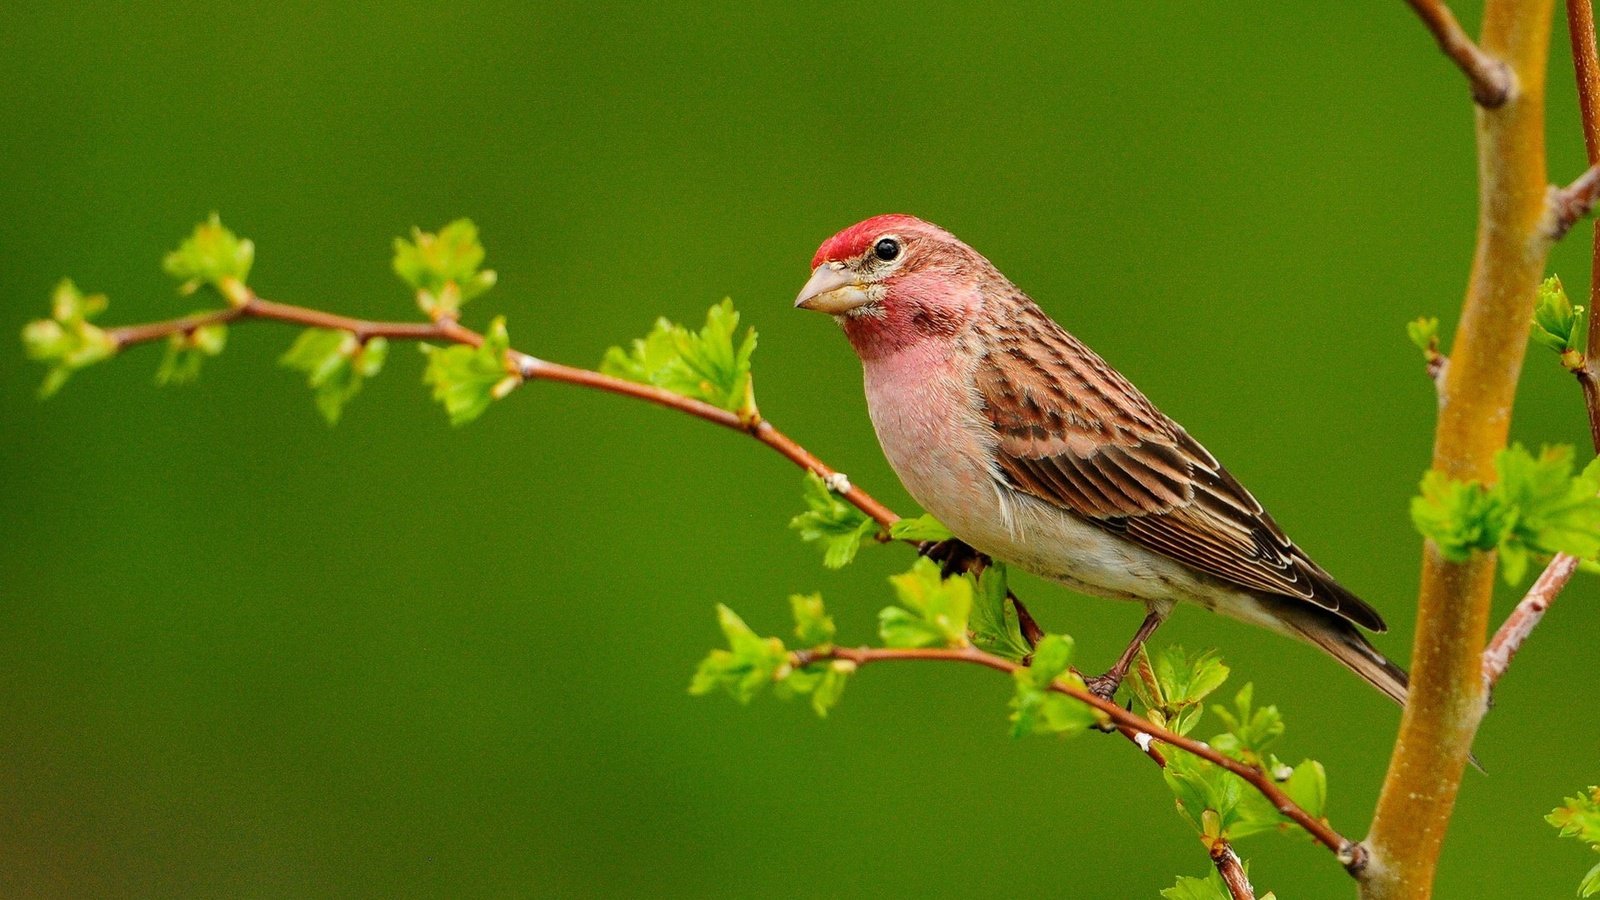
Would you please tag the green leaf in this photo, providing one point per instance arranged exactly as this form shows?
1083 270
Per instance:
336 365
186 351
1558 324
215 256
1050 659
443 268
839 528
1554 511
1190 888
707 365
66 341
933 610
1250 729
1035 707
749 664
1424 332
812 624
1308 787
994 624
467 379
921 528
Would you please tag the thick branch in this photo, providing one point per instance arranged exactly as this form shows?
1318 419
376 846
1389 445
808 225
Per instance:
1231 870
1135 727
1490 78
528 367
1508 640
1447 699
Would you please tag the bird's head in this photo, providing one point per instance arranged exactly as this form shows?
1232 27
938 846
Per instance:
893 281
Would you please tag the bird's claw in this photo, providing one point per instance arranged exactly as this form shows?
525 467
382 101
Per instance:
953 556
1104 686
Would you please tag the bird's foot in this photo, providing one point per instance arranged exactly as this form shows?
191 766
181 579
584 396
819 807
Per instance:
953 556
1105 686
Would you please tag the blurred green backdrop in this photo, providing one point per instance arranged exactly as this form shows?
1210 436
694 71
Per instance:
242 654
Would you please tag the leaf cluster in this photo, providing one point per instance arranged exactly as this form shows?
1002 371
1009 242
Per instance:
1172 687
1579 818
1557 324
187 350
933 610
467 379
443 267
212 255
751 663
836 526
1538 506
711 365
66 341
336 365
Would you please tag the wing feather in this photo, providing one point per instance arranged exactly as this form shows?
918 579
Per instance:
1073 432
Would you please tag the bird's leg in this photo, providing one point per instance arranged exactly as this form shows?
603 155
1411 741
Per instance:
1031 632
1106 685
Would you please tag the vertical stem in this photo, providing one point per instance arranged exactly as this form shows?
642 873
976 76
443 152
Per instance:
1586 68
1447 690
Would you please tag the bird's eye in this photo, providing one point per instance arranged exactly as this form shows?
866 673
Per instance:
886 249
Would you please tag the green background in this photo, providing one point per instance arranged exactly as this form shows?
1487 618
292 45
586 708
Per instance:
242 654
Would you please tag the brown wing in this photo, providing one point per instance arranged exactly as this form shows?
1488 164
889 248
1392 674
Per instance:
1073 432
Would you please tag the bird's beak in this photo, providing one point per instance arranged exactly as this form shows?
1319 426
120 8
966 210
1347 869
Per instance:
832 290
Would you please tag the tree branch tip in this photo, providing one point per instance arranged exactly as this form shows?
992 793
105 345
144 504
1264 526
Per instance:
1497 86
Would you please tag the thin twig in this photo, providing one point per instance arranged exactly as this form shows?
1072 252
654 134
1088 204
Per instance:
1586 69
1349 853
1508 640
528 367
1490 78
1231 870
1569 204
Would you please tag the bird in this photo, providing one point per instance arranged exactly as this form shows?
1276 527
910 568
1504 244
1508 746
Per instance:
1033 450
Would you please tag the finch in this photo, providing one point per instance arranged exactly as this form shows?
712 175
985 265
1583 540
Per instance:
1030 448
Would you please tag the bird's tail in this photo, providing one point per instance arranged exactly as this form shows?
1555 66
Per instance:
1345 643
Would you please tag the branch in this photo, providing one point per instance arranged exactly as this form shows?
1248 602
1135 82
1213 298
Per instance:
1490 78
1508 640
1133 726
1531 609
1573 202
1586 68
1448 695
1231 870
528 368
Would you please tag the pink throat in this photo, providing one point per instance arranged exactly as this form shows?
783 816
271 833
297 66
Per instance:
900 321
